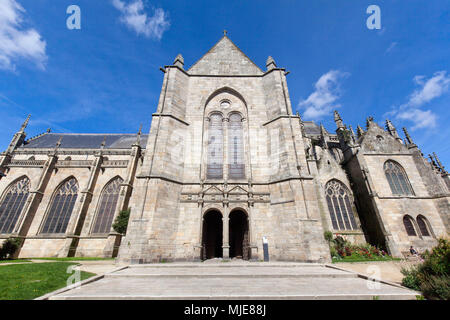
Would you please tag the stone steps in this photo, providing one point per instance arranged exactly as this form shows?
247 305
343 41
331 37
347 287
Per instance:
254 281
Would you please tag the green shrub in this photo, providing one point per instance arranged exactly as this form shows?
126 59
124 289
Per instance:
121 223
328 235
9 247
436 287
432 277
333 252
410 279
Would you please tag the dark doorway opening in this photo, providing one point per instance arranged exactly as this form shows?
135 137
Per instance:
212 235
239 242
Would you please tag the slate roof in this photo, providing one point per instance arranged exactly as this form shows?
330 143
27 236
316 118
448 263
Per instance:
84 141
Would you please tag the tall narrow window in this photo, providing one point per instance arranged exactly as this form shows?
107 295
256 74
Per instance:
12 204
61 207
409 226
107 207
398 181
236 148
215 148
423 226
339 205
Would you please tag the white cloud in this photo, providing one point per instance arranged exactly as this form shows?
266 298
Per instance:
429 89
322 101
135 18
15 40
432 88
420 118
391 47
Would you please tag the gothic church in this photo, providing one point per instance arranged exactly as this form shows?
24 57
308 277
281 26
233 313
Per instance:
226 163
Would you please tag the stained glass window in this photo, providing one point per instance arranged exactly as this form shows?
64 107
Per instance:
215 147
61 207
107 207
12 204
423 226
398 181
409 226
236 148
339 205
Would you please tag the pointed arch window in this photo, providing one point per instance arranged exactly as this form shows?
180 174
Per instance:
107 207
61 207
423 226
236 148
339 206
12 204
215 147
409 226
397 178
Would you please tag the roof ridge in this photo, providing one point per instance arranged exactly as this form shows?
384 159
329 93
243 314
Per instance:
95 134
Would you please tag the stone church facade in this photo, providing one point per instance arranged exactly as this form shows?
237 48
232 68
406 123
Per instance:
226 163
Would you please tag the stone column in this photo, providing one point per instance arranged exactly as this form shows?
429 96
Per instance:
226 159
225 233
114 238
253 247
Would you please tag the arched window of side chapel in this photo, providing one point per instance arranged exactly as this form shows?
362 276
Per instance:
61 207
107 207
339 206
12 203
397 179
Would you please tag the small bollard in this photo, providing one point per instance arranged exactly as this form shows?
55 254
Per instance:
266 249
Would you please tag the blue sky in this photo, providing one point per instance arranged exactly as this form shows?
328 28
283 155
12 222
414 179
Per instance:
105 78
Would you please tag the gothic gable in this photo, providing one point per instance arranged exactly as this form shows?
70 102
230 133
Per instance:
225 58
376 139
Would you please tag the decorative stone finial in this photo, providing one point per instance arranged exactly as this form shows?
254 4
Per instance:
225 32
441 167
25 124
270 63
138 137
408 137
391 129
359 131
338 120
179 61
368 121
352 133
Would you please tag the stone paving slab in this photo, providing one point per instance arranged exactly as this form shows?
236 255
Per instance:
266 283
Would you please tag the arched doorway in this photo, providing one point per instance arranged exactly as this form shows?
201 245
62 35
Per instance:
239 235
212 235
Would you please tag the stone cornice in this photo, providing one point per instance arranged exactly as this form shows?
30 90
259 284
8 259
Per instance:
122 152
170 116
284 116
226 75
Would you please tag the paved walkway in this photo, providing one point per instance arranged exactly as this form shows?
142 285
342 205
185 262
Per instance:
248 280
388 270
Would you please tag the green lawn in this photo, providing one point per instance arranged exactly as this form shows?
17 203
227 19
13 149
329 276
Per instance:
73 259
14 261
29 281
361 259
